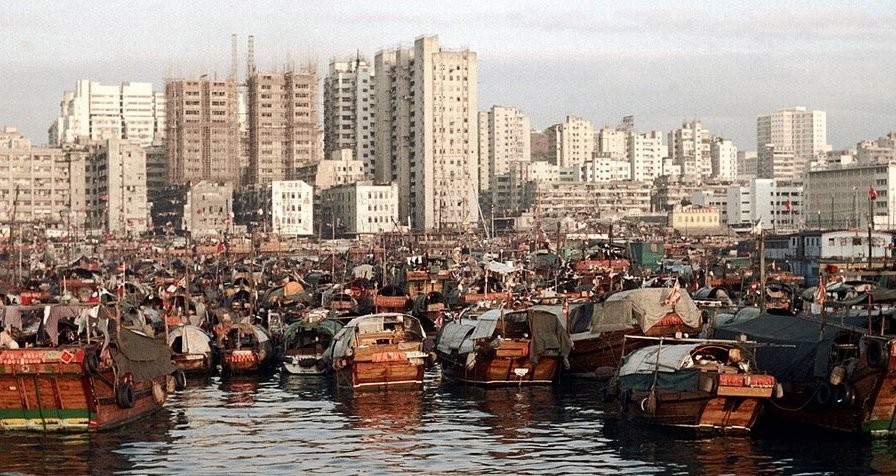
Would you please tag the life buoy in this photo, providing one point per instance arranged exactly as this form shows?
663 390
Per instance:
180 379
874 354
125 395
92 363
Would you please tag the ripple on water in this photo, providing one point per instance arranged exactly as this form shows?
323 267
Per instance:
291 424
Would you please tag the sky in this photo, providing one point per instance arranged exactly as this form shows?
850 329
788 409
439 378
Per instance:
722 63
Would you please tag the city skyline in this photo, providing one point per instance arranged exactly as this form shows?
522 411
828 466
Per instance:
716 63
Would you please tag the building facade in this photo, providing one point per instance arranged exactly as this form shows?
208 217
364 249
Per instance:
203 137
96 112
837 196
690 149
41 186
208 209
646 152
283 130
571 142
504 137
361 208
787 140
349 111
723 155
427 132
117 187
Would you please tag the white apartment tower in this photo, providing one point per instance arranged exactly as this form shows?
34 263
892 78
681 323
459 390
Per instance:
426 132
690 149
612 143
504 137
792 135
646 152
570 143
283 131
97 112
724 159
349 111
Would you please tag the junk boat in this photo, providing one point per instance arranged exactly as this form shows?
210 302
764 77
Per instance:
74 368
379 351
304 344
709 386
502 347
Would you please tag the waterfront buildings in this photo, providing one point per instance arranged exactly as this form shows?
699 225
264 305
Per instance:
723 156
361 208
695 220
208 209
776 204
96 112
839 195
203 135
43 187
427 132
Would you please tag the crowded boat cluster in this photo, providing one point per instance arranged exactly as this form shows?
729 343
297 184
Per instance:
686 334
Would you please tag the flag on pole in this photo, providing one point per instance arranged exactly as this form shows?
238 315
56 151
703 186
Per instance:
872 193
674 295
820 293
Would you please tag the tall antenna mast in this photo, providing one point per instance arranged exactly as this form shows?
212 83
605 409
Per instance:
234 63
250 65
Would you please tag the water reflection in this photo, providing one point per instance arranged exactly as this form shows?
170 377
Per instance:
301 424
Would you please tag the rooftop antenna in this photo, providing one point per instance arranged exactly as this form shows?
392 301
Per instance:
234 63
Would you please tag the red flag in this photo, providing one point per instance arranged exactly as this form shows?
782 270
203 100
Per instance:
872 193
788 207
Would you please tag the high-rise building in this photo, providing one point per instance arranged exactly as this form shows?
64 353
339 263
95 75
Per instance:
427 132
646 152
283 130
116 176
96 112
504 137
789 139
349 110
203 138
689 148
723 155
571 142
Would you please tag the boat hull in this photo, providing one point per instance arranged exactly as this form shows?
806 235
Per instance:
51 390
383 375
305 364
697 411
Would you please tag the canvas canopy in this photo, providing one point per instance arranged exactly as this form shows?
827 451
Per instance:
642 307
344 340
668 367
193 340
546 328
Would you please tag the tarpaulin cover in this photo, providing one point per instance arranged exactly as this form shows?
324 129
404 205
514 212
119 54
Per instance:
808 349
140 355
672 363
546 328
193 340
642 307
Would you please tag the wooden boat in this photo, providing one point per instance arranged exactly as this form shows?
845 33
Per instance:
63 380
838 372
704 386
304 344
379 351
245 347
501 347
598 330
192 351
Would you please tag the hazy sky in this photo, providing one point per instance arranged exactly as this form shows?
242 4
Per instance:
724 63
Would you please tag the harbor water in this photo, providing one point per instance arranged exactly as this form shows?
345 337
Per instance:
304 425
